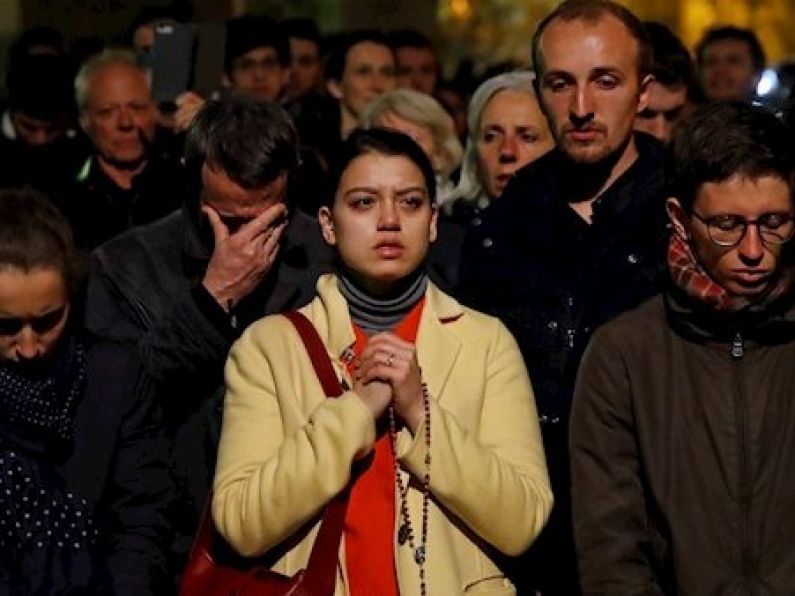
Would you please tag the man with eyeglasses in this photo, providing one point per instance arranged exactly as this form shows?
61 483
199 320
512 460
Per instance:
256 64
682 440
257 57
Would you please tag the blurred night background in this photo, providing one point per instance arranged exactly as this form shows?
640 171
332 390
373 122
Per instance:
487 32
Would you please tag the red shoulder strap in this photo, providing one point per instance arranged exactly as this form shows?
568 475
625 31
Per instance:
321 571
317 353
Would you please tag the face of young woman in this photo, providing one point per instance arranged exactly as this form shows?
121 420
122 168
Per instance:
382 221
34 307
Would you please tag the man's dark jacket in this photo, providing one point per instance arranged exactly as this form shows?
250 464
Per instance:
98 209
145 288
120 460
683 451
553 279
48 168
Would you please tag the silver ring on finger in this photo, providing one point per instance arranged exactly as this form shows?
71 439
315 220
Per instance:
390 360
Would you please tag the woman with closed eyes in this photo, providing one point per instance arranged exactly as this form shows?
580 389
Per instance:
435 432
83 479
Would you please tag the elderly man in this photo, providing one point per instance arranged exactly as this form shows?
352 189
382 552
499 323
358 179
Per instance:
576 238
682 442
126 181
183 288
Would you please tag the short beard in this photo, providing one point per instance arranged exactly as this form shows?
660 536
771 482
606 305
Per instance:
587 178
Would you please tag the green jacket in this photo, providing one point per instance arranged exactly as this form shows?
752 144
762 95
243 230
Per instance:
683 451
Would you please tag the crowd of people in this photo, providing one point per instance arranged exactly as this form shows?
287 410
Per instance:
558 303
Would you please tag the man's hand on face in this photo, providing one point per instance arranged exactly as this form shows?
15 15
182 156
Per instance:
242 258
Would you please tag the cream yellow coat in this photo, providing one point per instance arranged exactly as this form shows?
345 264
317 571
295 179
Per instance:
286 450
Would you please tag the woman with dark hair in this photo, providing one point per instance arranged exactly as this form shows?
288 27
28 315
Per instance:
82 473
435 432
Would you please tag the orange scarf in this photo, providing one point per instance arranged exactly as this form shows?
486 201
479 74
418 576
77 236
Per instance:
370 520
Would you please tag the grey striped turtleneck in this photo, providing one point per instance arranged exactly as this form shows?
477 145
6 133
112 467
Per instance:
374 315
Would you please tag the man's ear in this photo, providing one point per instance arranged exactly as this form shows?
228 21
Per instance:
433 228
679 219
83 121
327 226
334 89
643 92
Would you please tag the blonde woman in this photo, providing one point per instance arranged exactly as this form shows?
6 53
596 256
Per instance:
422 118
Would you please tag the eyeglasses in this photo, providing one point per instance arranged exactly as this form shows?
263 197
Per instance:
41 324
729 230
233 223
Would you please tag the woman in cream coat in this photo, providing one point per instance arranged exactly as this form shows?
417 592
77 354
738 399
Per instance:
474 485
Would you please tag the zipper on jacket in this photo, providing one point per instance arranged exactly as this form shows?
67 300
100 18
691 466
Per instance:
744 489
570 334
737 349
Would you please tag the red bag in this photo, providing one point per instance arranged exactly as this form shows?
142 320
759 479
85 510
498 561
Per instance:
214 569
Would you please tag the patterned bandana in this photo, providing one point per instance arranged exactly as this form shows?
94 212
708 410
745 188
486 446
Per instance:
688 275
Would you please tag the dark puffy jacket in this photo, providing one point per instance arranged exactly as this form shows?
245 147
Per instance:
98 209
145 288
682 451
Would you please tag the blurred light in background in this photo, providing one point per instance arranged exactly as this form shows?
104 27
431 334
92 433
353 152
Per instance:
768 83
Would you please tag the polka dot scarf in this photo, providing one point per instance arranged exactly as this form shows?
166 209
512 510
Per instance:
42 397
47 534
46 531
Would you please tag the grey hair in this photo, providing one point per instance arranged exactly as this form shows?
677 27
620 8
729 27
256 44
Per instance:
423 110
98 62
469 187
